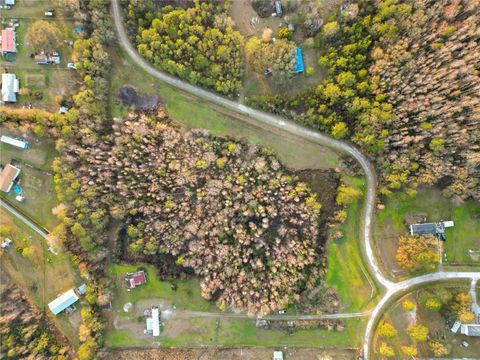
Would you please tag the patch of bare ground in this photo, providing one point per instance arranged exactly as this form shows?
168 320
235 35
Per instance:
324 183
255 353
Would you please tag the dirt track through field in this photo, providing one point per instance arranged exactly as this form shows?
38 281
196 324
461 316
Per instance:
254 353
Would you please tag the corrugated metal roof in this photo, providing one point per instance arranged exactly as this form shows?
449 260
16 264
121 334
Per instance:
422 229
8 40
156 321
8 87
63 301
15 142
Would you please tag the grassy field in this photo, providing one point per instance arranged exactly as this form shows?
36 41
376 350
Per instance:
41 274
435 322
51 82
465 235
187 296
194 113
346 270
36 179
126 329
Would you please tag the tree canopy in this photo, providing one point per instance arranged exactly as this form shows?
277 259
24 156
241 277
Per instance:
43 36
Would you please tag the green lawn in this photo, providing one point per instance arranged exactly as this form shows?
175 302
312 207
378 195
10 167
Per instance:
346 270
465 235
36 179
242 332
194 113
187 296
199 331
42 275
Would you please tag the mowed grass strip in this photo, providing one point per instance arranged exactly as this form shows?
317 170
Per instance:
346 270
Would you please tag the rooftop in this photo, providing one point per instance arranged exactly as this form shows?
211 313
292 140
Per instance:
10 87
470 329
8 40
299 66
135 279
7 177
63 301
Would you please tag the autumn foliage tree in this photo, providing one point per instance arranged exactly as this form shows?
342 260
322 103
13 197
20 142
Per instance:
461 307
198 44
386 351
417 253
439 348
43 36
277 56
386 329
418 332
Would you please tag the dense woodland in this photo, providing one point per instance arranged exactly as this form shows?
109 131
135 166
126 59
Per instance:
226 209
198 44
25 332
385 90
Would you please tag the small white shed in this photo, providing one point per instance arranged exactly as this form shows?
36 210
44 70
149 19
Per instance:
277 355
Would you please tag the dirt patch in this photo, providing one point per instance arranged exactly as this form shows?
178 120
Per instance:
128 96
231 354
324 183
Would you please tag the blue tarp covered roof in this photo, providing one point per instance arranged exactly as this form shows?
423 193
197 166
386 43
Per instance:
299 66
63 301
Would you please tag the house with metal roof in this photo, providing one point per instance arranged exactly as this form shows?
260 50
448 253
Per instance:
14 142
135 279
153 322
62 302
470 329
437 229
10 86
8 175
8 41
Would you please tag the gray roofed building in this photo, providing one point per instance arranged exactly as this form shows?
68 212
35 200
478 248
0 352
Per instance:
470 329
10 87
423 229
437 229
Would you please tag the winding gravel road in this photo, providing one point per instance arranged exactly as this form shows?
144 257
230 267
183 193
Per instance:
393 289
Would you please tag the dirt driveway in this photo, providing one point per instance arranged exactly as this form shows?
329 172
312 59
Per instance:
231 354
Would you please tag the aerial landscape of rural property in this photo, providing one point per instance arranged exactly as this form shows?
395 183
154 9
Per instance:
240 179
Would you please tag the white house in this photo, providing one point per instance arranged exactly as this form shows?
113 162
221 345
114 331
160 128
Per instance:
10 86
153 322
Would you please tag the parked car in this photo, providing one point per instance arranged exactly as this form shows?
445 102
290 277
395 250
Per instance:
71 65
282 312
50 13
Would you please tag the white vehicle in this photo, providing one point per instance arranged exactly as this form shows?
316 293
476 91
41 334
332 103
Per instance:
282 312
71 65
